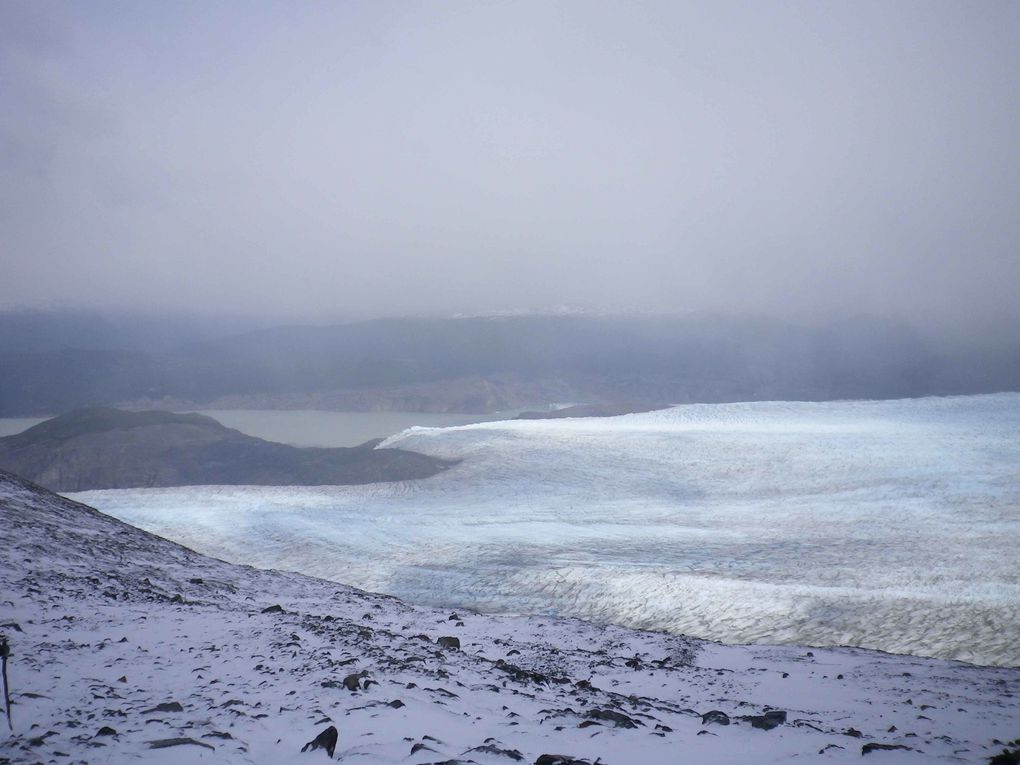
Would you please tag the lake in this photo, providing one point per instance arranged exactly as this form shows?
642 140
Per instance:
310 427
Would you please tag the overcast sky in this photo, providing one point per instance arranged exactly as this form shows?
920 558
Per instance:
314 161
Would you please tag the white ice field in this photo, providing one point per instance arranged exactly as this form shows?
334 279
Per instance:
883 524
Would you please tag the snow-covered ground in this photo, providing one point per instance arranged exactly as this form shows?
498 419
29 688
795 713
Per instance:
884 524
123 642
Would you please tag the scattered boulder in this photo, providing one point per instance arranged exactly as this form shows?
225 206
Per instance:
873 747
325 740
164 743
715 717
353 682
448 641
559 759
168 706
275 609
1006 757
522 675
513 754
106 730
771 719
618 719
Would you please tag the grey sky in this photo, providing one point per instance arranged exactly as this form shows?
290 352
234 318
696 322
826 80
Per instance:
328 160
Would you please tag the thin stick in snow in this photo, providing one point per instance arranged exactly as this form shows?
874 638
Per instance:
5 651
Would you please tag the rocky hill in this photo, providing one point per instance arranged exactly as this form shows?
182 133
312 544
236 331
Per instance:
128 647
110 449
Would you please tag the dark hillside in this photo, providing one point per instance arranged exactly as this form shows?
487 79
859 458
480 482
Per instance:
112 449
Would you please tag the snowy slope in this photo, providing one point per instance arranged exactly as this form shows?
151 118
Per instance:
114 628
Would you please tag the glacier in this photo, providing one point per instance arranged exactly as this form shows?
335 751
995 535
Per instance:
890 525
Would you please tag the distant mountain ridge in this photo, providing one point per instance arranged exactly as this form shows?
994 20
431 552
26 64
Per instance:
497 363
110 449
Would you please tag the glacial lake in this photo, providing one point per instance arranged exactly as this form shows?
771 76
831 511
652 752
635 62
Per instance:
305 427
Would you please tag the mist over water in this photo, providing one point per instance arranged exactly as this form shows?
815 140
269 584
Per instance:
889 525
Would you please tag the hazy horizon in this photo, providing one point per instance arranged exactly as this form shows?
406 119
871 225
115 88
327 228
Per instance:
320 162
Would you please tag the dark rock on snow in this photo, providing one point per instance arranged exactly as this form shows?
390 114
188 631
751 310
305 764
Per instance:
325 740
869 748
771 719
716 717
165 743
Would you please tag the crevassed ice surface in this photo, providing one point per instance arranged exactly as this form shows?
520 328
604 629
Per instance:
883 524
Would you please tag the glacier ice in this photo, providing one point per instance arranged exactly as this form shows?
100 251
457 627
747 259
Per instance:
883 524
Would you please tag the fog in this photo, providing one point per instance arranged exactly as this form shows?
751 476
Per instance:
325 161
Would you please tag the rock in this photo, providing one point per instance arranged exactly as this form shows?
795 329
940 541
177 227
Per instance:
396 704
869 748
521 675
716 717
1006 757
353 682
448 641
853 732
618 719
277 609
41 740
513 754
106 730
169 706
164 743
559 759
771 719
325 740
